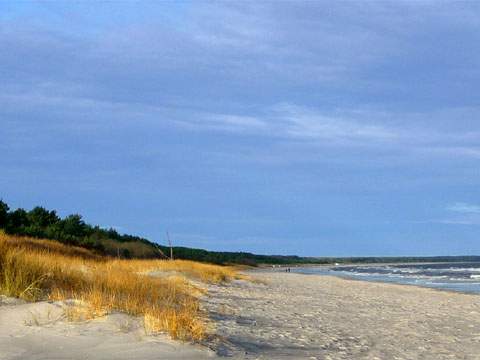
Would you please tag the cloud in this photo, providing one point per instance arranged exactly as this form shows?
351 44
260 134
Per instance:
285 122
300 122
464 208
475 221
453 151
293 73
466 214
465 221
263 47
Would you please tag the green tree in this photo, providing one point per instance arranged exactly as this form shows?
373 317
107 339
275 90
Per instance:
17 221
41 217
73 225
39 220
3 213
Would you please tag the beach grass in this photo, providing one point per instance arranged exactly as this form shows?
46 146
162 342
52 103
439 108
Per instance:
34 270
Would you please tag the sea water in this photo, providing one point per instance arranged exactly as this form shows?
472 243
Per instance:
462 277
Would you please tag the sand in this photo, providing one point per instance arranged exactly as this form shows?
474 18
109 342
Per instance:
289 316
298 316
39 331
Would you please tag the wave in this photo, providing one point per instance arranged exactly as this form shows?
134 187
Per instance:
461 277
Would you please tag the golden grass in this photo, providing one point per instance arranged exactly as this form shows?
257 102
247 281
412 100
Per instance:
41 269
200 271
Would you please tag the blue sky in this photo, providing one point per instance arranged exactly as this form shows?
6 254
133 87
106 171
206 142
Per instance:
314 128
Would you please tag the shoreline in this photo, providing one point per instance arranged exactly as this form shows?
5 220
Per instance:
346 277
267 266
356 278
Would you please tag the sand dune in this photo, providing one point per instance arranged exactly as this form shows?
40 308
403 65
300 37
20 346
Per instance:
39 331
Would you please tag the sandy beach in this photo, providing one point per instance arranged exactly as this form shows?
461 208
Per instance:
297 316
280 316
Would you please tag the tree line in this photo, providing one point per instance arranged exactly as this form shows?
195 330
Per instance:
71 230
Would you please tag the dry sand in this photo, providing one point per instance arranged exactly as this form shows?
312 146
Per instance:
292 316
39 332
320 317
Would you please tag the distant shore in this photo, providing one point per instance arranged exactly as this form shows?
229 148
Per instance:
280 266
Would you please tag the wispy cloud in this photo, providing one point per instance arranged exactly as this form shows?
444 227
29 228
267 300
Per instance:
227 67
460 213
286 122
464 208
470 221
301 122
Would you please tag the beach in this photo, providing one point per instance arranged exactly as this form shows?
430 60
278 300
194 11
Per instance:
277 316
295 316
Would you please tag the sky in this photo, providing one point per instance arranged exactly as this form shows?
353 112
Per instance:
309 128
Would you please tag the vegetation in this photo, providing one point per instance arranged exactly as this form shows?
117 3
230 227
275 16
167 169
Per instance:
244 258
72 230
35 269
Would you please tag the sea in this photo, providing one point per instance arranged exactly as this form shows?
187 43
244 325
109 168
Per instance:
461 277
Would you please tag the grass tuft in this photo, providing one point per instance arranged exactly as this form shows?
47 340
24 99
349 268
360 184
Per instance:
42 269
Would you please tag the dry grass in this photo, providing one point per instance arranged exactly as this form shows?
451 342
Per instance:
199 271
41 269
